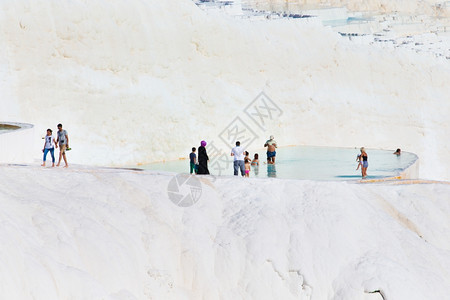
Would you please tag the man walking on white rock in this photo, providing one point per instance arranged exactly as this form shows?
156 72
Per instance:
63 141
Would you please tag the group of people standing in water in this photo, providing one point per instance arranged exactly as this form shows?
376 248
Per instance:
243 164
241 159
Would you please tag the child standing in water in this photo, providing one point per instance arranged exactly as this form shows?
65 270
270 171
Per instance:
246 156
255 161
358 159
193 160
247 167
49 146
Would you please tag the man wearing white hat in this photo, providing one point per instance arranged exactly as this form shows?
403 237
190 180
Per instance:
271 153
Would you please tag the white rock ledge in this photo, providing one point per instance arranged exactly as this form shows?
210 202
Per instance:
15 144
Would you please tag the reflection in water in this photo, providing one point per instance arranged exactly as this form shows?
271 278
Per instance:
271 170
256 170
6 127
312 163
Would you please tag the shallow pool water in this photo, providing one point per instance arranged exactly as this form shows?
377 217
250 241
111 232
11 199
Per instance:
305 162
343 22
6 128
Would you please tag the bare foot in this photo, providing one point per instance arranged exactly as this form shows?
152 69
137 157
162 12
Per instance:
43 165
57 165
66 166
53 165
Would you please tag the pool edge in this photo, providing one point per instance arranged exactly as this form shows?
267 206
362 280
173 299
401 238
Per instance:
411 171
16 146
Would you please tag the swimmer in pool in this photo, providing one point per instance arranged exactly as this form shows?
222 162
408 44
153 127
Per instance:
255 161
271 145
364 162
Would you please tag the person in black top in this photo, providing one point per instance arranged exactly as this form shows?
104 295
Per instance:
364 162
202 159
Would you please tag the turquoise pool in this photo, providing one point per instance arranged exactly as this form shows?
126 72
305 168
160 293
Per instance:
305 162
6 128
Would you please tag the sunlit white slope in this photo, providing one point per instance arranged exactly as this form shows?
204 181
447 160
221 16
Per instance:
138 81
114 234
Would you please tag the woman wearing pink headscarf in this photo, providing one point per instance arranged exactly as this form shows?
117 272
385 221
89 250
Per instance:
202 159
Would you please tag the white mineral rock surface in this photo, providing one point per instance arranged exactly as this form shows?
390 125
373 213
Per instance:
140 81
87 233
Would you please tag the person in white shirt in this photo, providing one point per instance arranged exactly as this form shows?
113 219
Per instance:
238 154
49 146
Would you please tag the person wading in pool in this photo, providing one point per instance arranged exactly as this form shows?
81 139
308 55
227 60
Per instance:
239 157
364 162
271 153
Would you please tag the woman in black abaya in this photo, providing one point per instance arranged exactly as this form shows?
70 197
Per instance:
202 159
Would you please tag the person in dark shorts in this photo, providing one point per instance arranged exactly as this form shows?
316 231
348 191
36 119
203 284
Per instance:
271 145
193 161
364 162
63 141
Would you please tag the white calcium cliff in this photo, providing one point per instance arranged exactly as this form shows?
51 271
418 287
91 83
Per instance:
139 81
